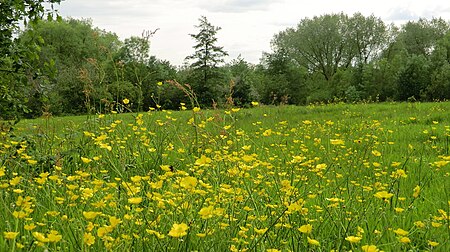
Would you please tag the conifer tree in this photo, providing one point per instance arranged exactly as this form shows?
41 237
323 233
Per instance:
206 77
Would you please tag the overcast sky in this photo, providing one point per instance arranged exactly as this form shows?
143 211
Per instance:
247 25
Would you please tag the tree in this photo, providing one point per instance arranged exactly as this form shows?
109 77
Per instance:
369 36
283 78
14 74
420 37
81 55
440 65
206 59
240 82
414 78
419 54
135 54
320 44
12 12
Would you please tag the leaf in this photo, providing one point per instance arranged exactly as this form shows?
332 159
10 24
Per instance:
41 39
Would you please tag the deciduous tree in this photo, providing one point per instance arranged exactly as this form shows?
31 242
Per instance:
15 76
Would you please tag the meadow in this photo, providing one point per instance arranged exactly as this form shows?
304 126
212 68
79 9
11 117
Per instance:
339 177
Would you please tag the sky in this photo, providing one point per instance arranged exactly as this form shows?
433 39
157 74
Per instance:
248 26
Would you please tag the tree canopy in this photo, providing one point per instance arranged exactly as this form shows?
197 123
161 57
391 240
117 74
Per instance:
205 77
15 75
67 66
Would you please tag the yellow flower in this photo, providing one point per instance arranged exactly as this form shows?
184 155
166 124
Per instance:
255 103
88 239
91 215
419 224
2 171
29 227
247 158
260 231
40 237
400 173
90 226
353 239
135 200
435 224
313 242
306 229
247 208
395 164
159 83
114 221
166 168
369 248
196 109
441 163
125 101
10 235
383 195
15 181
102 231
20 214
53 236
399 209
376 153
401 232
404 239
206 212
203 161
18 191
416 191
159 235
337 141
432 243
86 160
32 161
178 230
188 182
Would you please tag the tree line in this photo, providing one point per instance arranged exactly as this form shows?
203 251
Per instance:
67 66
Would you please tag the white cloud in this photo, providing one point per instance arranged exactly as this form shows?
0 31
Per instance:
247 25
236 6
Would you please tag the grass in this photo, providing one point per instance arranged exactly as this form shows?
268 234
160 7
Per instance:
341 177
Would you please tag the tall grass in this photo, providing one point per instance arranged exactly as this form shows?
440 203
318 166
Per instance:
337 177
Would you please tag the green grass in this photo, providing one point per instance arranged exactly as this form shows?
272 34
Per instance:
283 178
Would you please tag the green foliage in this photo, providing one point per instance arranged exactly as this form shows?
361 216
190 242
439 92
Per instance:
413 78
283 80
80 55
70 67
206 77
420 37
241 78
321 44
440 67
360 58
12 13
19 75
92 65
334 177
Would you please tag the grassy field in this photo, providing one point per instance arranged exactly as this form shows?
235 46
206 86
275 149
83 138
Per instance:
368 177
